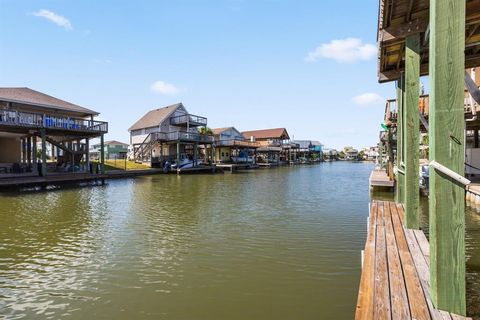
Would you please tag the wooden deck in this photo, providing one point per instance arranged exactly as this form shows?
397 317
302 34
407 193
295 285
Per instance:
70 178
233 167
395 273
379 178
201 169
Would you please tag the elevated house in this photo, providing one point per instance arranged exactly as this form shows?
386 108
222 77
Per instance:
308 150
232 147
112 150
274 144
329 154
316 150
302 153
32 122
350 153
171 135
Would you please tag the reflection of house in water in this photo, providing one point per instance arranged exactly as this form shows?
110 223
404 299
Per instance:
232 147
171 134
32 123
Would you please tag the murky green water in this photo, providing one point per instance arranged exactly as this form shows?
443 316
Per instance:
271 244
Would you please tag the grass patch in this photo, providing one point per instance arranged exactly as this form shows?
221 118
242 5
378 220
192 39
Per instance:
120 165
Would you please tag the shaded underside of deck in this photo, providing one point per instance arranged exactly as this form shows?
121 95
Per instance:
395 272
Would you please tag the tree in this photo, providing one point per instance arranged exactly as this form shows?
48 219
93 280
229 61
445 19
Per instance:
205 130
361 155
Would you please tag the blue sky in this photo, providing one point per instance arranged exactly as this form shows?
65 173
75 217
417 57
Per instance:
309 66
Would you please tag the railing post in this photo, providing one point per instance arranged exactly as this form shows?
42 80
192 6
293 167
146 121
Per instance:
87 153
178 155
447 143
43 134
102 153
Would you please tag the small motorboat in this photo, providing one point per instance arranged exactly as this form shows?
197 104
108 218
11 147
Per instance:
186 162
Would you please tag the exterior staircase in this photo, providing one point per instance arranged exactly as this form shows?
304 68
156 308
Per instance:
144 152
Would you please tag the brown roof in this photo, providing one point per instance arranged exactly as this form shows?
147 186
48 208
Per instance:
153 118
35 98
115 142
277 133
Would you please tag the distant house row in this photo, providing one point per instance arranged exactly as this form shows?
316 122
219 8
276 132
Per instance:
40 133
172 135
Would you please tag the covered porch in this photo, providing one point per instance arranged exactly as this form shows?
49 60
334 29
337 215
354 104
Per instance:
441 39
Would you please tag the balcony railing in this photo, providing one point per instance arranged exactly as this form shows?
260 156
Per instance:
188 119
34 120
237 142
184 136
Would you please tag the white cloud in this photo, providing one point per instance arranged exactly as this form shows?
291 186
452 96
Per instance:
163 87
55 18
368 99
344 51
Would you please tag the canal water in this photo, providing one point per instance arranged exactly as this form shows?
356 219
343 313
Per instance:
269 244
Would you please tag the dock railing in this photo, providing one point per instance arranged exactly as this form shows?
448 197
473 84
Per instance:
35 120
191 119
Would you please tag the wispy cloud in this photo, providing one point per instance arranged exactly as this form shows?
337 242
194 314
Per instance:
165 88
347 50
368 99
102 60
55 18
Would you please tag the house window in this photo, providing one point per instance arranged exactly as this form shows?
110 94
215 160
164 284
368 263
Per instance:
136 132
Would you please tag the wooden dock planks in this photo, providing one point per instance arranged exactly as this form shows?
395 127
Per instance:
395 273
379 178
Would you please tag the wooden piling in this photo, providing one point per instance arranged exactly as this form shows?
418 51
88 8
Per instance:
447 203
412 131
400 185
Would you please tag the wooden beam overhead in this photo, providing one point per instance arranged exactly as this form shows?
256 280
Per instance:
402 31
401 18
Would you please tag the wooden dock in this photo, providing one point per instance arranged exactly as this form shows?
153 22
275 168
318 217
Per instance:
267 165
395 272
70 178
233 167
200 169
379 178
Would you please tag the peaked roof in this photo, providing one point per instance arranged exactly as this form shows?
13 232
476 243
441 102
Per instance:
277 133
221 130
218 131
303 144
115 142
316 143
153 118
35 98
